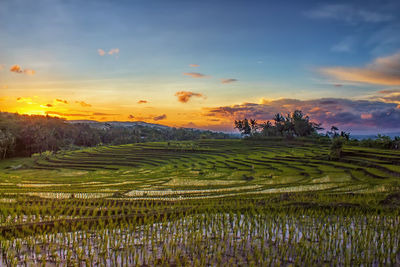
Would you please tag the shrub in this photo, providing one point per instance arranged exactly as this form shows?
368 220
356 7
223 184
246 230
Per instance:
336 149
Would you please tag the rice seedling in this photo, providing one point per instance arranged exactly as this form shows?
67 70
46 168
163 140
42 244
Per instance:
194 204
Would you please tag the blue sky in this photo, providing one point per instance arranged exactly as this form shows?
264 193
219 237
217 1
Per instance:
301 50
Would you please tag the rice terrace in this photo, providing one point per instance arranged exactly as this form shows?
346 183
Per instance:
199 133
205 202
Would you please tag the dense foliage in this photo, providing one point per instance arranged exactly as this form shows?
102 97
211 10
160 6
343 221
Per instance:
24 135
295 124
381 141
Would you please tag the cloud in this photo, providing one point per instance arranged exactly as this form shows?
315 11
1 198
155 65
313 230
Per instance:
195 75
389 91
83 103
101 52
17 69
49 105
384 39
388 96
159 118
61 101
184 96
66 114
228 80
349 14
27 100
345 45
113 51
103 114
2 66
142 102
79 114
352 115
29 72
382 71
366 116
131 117
194 65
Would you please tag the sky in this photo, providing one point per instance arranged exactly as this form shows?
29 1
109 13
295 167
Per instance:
203 64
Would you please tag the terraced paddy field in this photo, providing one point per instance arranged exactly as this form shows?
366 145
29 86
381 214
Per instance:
202 203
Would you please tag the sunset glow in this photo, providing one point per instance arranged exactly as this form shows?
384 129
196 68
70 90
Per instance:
167 64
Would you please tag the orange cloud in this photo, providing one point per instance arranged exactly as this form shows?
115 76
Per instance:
184 96
159 118
389 91
104 114
17 69
29 72
382 71
61 101
194 65
83 103
228 80
316 109
113 51
142 102
388 96
27 100
366 116
101 52
195 74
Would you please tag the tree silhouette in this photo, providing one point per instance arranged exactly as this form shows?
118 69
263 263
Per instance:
295 124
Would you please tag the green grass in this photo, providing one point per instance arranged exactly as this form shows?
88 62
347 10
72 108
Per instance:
157 192
205 164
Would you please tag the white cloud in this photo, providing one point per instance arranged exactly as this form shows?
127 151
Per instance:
345 45
348 13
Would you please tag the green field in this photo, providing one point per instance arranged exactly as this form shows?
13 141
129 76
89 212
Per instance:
206 202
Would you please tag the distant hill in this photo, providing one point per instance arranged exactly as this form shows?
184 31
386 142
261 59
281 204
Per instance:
374 136
100 124
24 135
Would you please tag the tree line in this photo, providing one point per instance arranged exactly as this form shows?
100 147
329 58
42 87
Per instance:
24 135
296 124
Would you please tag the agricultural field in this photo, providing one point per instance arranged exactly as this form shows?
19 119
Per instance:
202 203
